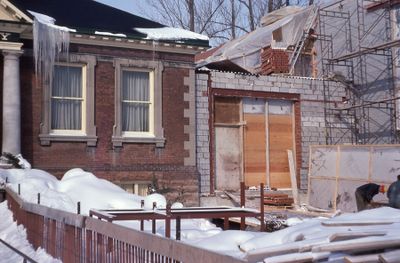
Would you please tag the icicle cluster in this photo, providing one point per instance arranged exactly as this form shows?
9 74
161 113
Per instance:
49 43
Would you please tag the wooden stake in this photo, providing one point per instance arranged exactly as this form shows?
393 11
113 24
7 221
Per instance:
293 178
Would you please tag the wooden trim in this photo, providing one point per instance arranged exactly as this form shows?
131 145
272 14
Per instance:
212 133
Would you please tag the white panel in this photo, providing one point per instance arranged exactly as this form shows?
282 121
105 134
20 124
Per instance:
385 164
354 162
251 105
227 158
323 162
282 107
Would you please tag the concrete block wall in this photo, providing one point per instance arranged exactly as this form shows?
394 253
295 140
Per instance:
311 111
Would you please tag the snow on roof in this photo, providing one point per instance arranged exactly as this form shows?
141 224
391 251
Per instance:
170 33
109 34
49 21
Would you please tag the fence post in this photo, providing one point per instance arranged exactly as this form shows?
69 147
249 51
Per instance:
78 209
19 189
178 228
153 222
38 198
168 222
262 226
242 204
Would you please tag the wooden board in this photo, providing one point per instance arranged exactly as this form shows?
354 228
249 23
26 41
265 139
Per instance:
227 110
254 149
227 157
280 140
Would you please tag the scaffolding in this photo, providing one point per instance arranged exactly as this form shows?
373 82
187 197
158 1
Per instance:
356 48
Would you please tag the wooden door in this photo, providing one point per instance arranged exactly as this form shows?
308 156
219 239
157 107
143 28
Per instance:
255 165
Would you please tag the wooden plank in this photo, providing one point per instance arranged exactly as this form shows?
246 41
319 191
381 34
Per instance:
280 140
340 236
259 254
293 178
254 149
390 257
372 258
360 222
360 244
297 257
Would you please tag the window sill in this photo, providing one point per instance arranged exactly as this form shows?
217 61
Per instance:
46 139
119 140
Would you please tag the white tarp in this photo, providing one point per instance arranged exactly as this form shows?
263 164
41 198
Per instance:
245 51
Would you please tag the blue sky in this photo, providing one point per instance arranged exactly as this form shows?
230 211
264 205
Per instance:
132 6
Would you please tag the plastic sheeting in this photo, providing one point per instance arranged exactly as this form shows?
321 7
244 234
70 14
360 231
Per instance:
245 51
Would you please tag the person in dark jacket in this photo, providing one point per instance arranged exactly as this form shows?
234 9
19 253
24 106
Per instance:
365 193
393 194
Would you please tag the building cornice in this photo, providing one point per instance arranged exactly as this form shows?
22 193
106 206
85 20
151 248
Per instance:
140 44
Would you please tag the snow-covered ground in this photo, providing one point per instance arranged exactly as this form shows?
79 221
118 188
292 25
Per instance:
16 237
80 186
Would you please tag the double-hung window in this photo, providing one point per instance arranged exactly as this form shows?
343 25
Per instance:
137 103
68 100
68 104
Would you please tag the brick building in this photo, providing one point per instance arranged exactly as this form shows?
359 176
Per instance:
119 102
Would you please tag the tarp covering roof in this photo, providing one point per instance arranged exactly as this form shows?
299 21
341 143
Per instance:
282 28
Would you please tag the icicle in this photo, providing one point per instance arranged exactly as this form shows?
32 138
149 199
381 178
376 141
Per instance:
49 44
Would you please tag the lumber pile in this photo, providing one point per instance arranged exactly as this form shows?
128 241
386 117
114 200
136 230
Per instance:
277 199
368 236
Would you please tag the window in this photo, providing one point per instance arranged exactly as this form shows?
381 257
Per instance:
68 105
67 100
138 102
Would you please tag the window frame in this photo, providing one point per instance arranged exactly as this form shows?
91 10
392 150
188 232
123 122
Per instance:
82 131
88 129
150 133
156 133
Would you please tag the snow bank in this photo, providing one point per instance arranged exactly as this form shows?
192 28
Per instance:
16 237
170 33
78 185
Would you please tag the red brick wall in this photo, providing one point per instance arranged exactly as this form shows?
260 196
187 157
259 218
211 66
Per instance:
274 61
132 161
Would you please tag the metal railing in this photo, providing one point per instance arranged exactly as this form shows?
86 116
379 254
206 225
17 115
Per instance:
26 258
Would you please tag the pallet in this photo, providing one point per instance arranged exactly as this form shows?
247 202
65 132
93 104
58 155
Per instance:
278 199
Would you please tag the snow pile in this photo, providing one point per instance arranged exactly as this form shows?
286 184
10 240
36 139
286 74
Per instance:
16 237
308 238
170 33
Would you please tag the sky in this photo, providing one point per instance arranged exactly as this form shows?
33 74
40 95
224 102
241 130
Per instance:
132 6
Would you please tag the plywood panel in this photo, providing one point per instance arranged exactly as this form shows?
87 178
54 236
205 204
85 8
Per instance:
354 163
321 193
227 110
385 164
254 149
280 140
323 161
227 142
345 198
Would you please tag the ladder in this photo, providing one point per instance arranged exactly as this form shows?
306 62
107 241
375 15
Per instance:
300 44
